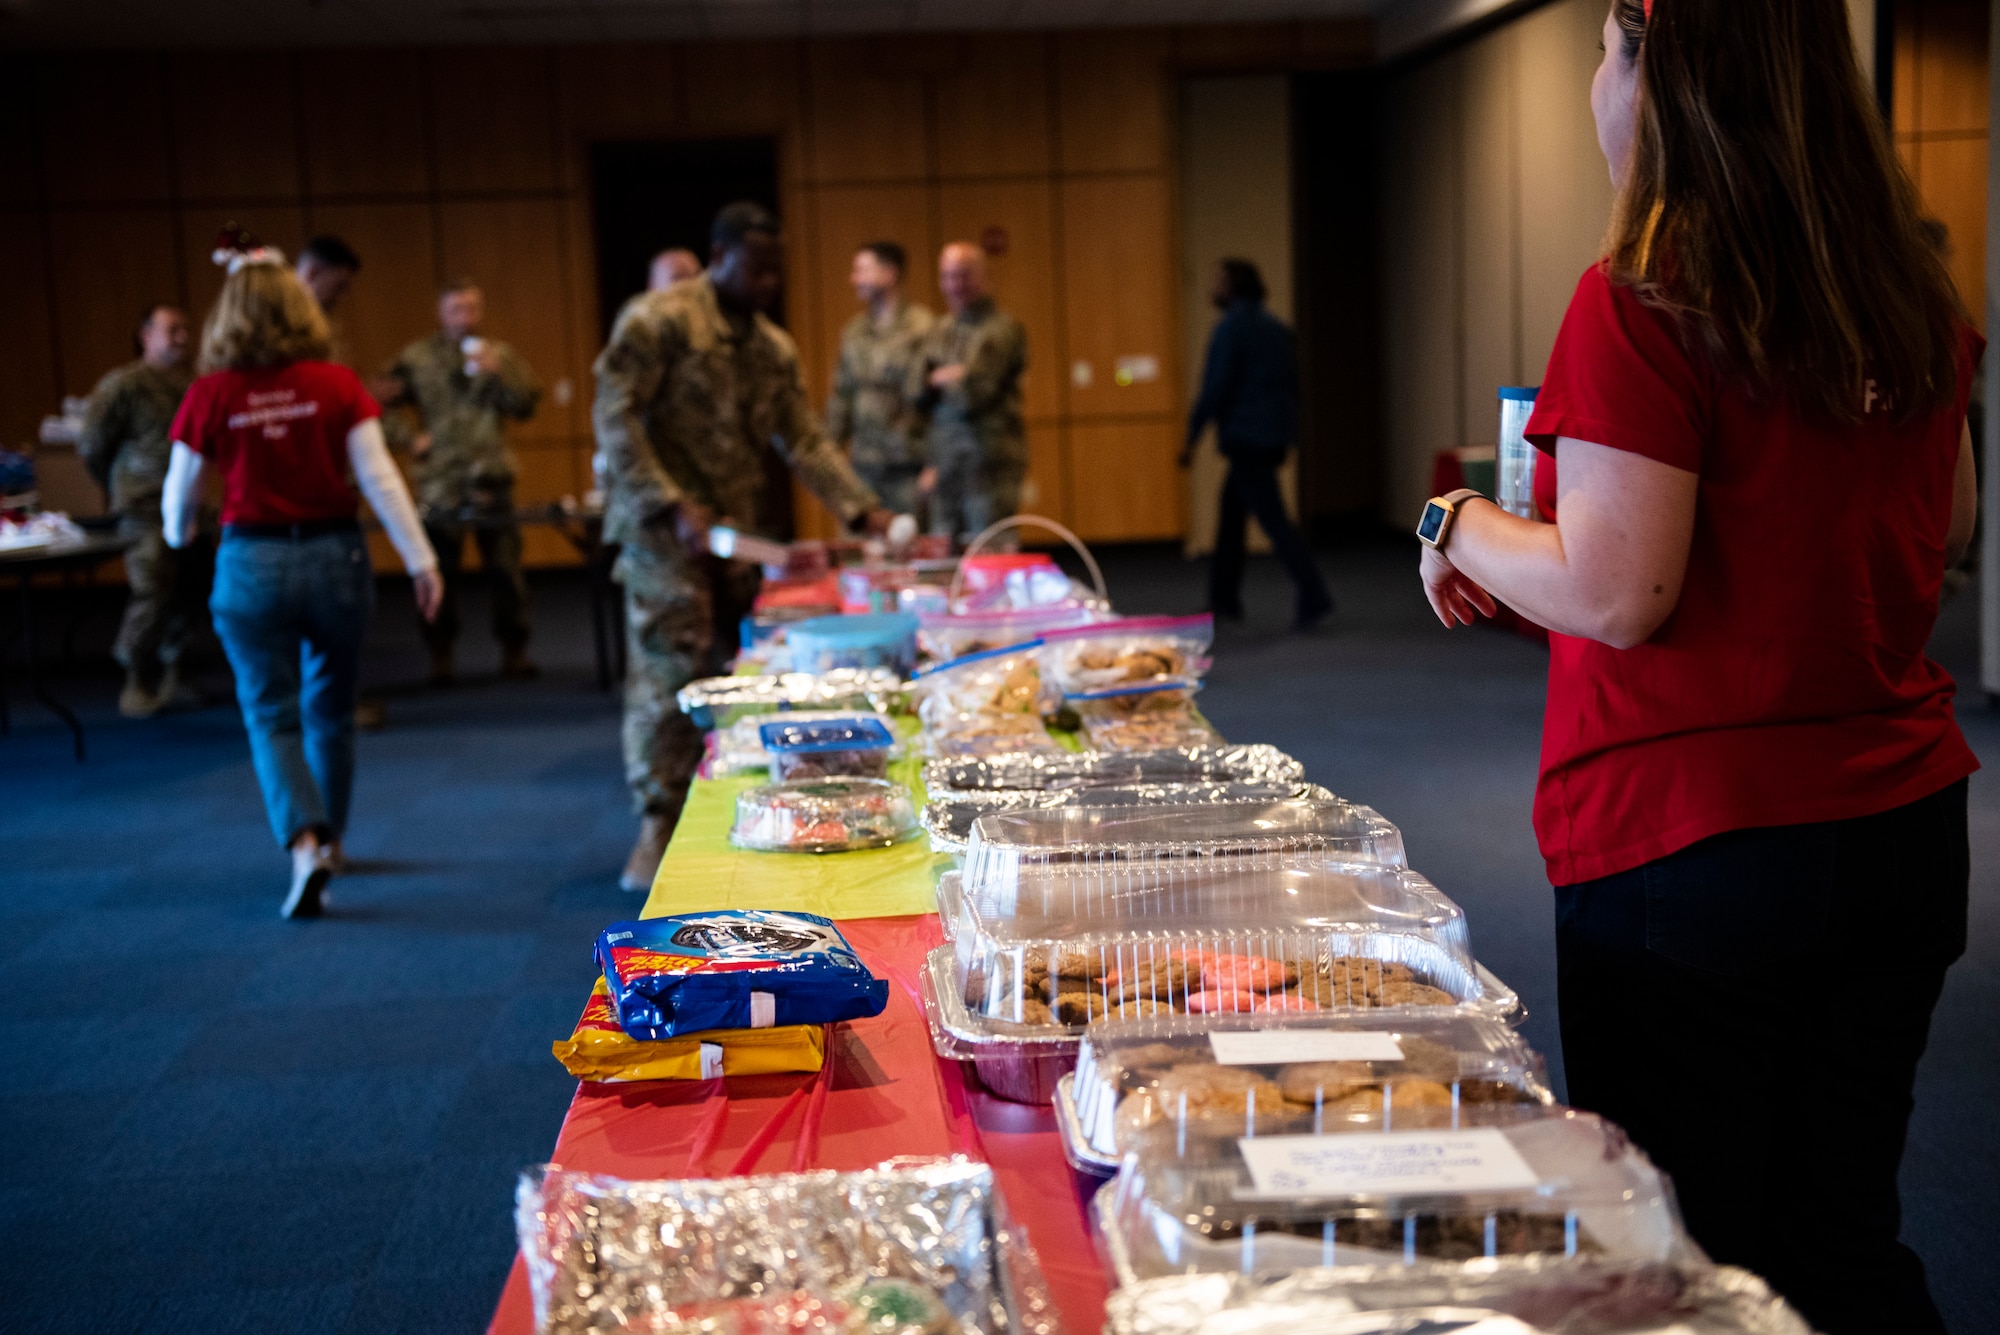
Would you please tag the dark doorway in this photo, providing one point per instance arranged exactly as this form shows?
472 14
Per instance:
651 195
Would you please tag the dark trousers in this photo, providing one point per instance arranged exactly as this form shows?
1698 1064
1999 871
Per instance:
1752 1010
1252 489
499 541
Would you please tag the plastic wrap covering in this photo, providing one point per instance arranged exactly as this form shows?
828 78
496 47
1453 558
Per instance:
1527 1297
717 702
1186 1078
739 748
949 824
606 1255
1555 1183
1068 769
986 704
1133 651
1143 718
823 816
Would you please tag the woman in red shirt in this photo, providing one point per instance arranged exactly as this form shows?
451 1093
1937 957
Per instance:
293 436
1752 798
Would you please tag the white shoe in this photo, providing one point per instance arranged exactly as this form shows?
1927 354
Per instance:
312 868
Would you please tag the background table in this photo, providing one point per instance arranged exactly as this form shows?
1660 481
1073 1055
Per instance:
22 566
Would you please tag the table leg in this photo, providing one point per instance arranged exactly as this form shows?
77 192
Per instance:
53 705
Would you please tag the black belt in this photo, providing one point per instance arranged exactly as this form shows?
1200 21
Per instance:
305 528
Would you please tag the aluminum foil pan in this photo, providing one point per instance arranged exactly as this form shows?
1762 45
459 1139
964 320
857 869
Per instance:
948 780
717 702
949 824
1527 1296
607 1254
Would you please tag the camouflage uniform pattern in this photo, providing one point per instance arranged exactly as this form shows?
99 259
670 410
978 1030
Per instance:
465 481
126 444
976 440
688 400
869 408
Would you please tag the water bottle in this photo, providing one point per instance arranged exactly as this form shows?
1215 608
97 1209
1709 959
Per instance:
1516 466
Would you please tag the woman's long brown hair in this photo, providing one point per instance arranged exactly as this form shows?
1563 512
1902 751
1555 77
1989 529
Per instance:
264 316
1765 206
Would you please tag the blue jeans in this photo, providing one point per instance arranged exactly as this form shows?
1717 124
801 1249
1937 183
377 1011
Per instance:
291 614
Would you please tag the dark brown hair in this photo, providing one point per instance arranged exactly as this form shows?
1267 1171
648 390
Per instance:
1765 206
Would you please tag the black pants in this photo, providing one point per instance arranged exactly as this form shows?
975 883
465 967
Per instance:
499 543
1252 489
1752 1009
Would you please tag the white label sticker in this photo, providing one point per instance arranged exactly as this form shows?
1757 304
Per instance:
1266 1047
1393 1162
711 1061
763 1010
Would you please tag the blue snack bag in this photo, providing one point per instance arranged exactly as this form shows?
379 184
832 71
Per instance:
733 969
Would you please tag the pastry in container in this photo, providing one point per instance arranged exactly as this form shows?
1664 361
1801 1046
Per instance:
1047 772
1128 652
1507 1183
984 704
1525 1297
842 746
949 822
739 748
1187 1078
1143 718
823 816
984 735
717 702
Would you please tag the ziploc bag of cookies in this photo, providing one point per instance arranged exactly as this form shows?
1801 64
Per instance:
1131 651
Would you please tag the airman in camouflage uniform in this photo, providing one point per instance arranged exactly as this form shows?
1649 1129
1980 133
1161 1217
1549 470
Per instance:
968 381
868 410
126 443
694 387
464 472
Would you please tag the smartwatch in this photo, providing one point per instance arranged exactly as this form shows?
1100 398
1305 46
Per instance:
1440 512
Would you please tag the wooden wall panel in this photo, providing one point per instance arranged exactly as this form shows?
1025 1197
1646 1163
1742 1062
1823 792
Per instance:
1490 240
1114 92
1047 490
867 124
21 110
610 93
27 332
109 267
1951 73
1118 292
742 87
104 128
365 128
1023 278
509 247
495 115
282 225
1124 483
222 149
393 300
1951 177
993 109
844 218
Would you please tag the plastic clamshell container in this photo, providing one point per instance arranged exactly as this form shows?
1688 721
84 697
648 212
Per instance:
1518 1296
740 746
862 640
717 702
823 816
949 823
1004 845
1137 1081
944 780
1194 1209
1144 719
849 745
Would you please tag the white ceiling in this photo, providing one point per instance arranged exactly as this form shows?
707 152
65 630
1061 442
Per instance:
211 23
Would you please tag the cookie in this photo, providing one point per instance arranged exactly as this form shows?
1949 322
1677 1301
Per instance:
1416 994
1031 1012
1161 978
1410 1103
1078 962
1140 1008
1247 973
1079 1007
1312 1082
1200 1091
1281 1001
1207 1002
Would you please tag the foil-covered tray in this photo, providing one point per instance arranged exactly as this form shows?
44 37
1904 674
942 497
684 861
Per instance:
717 702
949 823
607 1254
948 780
1528 1296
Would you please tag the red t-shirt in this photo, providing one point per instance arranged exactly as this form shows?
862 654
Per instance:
1790 684
279 437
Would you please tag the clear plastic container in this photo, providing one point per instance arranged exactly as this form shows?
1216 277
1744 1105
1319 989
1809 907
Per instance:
849 745
1143 718
1139 1081
1517 1296
1132 651
984 704
945 781
945 636
1557 1184
864 640
949 823
739 748
823 816
717 702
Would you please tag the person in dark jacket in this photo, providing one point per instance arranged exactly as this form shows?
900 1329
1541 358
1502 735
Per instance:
1250 391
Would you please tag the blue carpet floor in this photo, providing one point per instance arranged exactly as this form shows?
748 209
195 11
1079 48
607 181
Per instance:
217 1121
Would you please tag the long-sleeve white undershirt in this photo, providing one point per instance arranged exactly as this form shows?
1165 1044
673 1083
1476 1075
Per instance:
374 472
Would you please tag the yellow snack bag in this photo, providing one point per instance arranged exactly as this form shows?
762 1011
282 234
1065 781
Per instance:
599 1050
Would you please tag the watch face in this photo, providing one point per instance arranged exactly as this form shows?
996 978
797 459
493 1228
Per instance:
1432 523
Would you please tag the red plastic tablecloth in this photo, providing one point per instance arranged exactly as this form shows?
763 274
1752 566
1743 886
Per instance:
890 1095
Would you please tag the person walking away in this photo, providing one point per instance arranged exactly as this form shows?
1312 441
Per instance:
1250 391
458 390
285 428
1751 777
676 264
694 385
866 413
968 383
125 444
